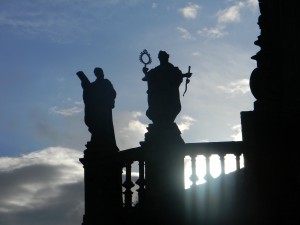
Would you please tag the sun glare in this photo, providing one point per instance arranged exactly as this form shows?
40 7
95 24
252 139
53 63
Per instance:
214 166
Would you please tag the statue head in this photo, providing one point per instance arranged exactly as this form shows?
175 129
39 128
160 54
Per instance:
98 72
163 57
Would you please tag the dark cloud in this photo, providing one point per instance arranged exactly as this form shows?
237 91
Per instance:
66 208
44 187
12 182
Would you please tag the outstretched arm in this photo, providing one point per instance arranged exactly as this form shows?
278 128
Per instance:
84 80
145 71
188 74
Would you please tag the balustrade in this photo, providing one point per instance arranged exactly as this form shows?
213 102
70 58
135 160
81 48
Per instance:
192 150
127 159
141 183
128 184
207 150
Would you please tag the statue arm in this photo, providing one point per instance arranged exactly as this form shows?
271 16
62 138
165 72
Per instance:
188 74
84 80
145 71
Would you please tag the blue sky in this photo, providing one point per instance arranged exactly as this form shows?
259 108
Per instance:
43 45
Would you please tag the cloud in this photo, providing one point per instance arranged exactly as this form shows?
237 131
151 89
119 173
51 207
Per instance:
236 87
252 4
190 11
32 22
196 54
231 14
237 132
185 123
51 156
60 21
212 32
135 125
154 5
66 111
42 187
129 129
185 34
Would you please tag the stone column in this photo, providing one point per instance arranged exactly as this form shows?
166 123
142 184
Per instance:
270 130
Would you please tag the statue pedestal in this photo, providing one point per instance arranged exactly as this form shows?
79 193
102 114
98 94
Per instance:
162 135
164 160
103 185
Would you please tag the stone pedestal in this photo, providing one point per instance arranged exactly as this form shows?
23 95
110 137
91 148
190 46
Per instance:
272 164
103 186
164 160
161 135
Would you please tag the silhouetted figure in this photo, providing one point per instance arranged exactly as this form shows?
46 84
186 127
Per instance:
163 90
99 99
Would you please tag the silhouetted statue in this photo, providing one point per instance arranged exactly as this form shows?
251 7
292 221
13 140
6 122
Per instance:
163 90
99 99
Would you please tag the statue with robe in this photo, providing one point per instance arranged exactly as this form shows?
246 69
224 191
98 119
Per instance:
99 100
163 90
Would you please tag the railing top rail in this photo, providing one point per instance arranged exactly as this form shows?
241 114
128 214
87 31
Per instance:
229 147
131 154
205 148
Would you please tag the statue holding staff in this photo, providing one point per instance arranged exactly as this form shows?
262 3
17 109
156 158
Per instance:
163 89
99 99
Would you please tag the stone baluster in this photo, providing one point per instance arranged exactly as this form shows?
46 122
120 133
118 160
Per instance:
193 178
222 160
128 184
237 160
208 176
141 183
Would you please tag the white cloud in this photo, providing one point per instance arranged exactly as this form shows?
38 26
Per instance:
14 22
54 156
51 20
190 11
136 115
196 54
154 5
185 34
66 111
78 103
231 14
236 87
237 132
185 123
134 125
252 4
60 21
212 32
129 129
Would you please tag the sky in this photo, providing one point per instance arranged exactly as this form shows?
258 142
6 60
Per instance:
43 45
